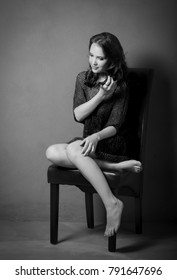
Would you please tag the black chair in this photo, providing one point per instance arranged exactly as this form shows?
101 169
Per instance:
125 184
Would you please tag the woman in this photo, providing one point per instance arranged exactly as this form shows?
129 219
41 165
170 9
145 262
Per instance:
100 103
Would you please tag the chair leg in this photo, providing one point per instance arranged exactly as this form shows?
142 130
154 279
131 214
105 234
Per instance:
54 211
112 243
138 215
89 209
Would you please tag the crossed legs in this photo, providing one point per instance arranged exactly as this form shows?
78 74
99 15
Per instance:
69 155
58 155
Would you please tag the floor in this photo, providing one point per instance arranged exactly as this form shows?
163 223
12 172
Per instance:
30 241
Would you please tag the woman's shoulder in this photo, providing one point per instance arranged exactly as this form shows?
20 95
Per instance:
81 76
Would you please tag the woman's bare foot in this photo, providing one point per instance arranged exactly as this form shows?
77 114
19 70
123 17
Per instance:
114 214
129 165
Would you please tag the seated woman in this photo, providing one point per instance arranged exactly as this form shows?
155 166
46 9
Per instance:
100 103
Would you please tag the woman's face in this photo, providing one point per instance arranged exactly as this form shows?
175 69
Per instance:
97 59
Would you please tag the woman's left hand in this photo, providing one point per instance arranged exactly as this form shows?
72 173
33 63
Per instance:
89 144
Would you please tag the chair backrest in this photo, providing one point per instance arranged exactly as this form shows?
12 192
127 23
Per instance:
139 80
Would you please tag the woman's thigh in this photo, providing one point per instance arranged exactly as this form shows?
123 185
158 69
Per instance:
60 154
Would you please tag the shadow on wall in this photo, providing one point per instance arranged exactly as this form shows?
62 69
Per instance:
159 188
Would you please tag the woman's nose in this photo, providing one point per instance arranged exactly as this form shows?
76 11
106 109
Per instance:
94 61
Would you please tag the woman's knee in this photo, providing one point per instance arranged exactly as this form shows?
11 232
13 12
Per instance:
50 152
55 151
73 150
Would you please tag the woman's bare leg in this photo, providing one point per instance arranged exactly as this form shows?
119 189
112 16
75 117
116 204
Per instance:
57 154
69 155
92 172
127 165
61 154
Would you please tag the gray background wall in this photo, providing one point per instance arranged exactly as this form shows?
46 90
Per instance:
43 45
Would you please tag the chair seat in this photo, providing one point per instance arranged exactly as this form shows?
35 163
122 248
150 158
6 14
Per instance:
126 183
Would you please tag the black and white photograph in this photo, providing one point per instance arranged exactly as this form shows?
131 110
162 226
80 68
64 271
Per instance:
88 131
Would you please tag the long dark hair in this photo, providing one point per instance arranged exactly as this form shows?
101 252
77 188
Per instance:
117 67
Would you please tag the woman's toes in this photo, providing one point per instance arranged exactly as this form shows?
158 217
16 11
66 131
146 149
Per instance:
112 232
106 234
138 168
109 233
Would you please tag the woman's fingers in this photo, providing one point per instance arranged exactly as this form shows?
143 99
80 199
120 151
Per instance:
108 81
110 85
93 149
82 142
84 148
88 150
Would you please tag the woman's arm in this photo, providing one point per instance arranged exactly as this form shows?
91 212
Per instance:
90 142
106 132
84 110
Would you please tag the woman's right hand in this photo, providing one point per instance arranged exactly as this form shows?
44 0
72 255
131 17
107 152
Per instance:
107 89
